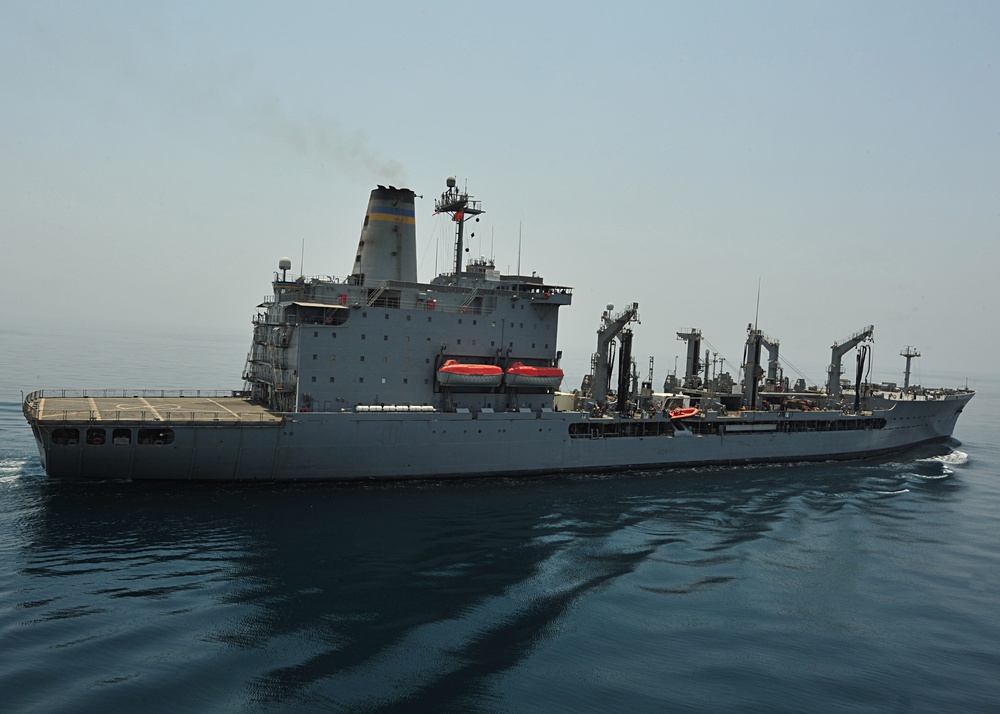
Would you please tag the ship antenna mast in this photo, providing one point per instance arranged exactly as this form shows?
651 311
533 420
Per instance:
519 248
756 314
461 206
909 353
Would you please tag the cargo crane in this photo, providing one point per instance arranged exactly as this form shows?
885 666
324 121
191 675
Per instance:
611 325
839 349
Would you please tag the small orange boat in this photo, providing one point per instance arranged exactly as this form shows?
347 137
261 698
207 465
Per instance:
456 374
522 375
683 413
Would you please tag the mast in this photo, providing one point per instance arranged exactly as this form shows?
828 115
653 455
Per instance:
461 206
752 371
692 366
909 353
624 375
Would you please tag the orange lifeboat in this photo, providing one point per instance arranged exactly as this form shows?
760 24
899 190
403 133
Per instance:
522 375
683 413
455 374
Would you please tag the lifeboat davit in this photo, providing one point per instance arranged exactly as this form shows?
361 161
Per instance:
455 374
522 375
683 413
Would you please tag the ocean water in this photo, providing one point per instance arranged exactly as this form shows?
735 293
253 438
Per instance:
867 586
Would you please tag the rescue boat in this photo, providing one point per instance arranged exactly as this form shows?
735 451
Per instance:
522 375
683 413
456 374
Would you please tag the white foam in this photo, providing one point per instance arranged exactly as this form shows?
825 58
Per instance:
955 458
11 469
12 466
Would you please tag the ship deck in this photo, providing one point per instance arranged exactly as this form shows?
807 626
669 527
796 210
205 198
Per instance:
134 408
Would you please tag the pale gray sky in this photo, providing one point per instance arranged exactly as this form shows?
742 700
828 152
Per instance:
158 159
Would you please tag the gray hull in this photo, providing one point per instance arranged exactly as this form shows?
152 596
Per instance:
354 446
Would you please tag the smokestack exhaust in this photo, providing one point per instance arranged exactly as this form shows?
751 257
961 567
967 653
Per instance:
387 249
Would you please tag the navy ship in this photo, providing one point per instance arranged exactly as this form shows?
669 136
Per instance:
377 375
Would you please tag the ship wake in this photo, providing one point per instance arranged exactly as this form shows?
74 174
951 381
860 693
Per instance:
955 458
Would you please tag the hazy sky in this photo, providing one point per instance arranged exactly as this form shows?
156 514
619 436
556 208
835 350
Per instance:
158 160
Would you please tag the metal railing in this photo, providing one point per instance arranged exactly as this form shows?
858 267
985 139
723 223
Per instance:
115 393
149 418
32 408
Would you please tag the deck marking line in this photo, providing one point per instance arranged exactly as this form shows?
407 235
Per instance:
94 409
222 406
151 408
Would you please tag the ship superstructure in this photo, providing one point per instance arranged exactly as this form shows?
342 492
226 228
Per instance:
379 337
378 375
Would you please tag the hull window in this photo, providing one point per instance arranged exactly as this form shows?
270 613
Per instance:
64 437
156 437
96 437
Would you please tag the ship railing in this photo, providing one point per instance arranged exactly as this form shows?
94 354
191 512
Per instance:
855 336
463 308
158 418
322 280
275 364
160 393
428 301
511 284
377 292
430 305
32 408
516 286
469 300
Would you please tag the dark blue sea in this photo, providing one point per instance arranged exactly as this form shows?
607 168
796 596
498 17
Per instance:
868 586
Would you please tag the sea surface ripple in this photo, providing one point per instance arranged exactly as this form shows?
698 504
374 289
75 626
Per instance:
808 587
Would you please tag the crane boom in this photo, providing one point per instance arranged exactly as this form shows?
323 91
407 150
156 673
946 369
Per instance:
611 325
839 349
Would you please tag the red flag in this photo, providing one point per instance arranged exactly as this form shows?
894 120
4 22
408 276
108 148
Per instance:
459 216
